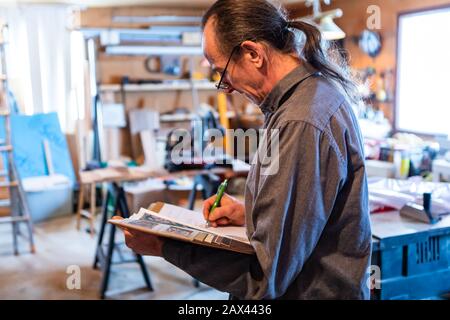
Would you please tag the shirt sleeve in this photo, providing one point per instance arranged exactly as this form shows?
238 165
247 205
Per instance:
285 219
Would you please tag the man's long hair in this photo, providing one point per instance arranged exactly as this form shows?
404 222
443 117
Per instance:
260 20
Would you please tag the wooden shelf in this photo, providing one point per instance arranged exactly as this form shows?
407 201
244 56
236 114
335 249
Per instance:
173 86
186 117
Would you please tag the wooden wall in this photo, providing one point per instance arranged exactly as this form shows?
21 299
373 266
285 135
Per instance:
111 69
103 17
354 21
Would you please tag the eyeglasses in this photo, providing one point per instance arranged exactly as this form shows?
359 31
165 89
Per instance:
225 86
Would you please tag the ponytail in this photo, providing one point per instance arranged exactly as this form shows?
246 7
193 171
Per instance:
331 67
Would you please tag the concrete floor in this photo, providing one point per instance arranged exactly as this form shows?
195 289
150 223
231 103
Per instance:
43 275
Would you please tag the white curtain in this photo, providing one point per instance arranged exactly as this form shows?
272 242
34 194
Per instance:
40 60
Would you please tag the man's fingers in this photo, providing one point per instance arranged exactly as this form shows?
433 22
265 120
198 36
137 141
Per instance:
127 234
226 199
222 222
207 204
225 208
221 212
128 238
211 200
119 226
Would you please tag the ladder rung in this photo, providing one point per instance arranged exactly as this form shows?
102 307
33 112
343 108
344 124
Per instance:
3 77
8 184
13 219
86 214
5 203
4 173
4 113
6 148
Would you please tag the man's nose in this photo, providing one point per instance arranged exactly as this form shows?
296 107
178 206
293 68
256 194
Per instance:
230 90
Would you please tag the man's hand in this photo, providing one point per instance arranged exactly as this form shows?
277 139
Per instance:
141 242
230 212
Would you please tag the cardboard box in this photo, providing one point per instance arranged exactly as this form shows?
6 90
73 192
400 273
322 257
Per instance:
141 195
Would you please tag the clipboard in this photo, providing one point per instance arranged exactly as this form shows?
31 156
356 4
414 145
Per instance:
167 221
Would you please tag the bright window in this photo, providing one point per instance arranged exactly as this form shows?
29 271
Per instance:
423 69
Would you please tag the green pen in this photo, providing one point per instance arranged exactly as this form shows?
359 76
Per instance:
219 195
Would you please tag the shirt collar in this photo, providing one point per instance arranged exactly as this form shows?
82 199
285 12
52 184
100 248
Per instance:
273 100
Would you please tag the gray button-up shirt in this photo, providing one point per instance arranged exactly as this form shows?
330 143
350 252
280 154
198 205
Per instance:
308 221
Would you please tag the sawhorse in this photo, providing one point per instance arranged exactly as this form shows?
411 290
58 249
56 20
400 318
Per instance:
116 194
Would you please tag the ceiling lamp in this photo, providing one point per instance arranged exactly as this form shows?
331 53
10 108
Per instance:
329 29
324 20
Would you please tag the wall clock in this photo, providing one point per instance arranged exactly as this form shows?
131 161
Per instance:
370 43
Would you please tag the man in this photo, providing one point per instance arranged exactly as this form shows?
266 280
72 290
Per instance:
308 221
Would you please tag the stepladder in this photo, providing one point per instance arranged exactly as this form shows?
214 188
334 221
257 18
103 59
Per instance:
15 204
19 213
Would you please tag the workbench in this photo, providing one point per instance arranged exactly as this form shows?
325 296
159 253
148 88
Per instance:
413 257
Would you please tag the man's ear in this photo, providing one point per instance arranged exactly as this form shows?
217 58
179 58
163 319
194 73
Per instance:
254 52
